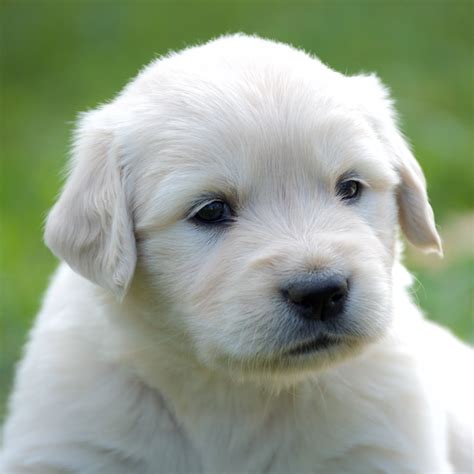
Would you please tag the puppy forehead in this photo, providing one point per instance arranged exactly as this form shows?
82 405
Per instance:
206 156
323 147
274 169
239 112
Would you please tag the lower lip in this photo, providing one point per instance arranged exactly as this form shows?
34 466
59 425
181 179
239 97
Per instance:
315 345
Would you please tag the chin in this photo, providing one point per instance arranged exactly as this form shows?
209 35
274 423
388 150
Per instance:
290 365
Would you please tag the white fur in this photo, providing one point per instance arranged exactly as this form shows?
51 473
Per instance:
165 352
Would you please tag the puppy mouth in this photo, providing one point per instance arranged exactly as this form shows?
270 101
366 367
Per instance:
318 344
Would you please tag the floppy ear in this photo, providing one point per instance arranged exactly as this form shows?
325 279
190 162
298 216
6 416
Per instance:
415 214
90 227
414 211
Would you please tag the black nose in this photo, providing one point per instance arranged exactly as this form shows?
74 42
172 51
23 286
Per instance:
317 296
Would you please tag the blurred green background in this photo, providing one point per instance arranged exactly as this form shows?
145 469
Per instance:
62 57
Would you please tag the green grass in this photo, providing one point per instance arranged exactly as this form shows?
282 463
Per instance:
62 57
446 295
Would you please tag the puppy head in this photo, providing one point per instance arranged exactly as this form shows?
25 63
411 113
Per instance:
261 192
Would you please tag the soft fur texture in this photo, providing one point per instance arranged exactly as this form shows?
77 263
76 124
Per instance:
163 345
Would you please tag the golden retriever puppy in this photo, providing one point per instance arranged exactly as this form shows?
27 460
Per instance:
231 298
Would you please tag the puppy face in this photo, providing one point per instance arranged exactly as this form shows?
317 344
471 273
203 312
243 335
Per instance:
248 198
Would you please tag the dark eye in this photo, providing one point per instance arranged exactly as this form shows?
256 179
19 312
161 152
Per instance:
216 212
348 190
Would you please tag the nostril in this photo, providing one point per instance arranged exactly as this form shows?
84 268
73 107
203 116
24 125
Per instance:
294 296
337 297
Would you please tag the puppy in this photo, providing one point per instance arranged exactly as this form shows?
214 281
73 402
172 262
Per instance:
231 298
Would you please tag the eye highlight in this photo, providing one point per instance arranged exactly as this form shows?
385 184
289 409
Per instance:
214 212
349 190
